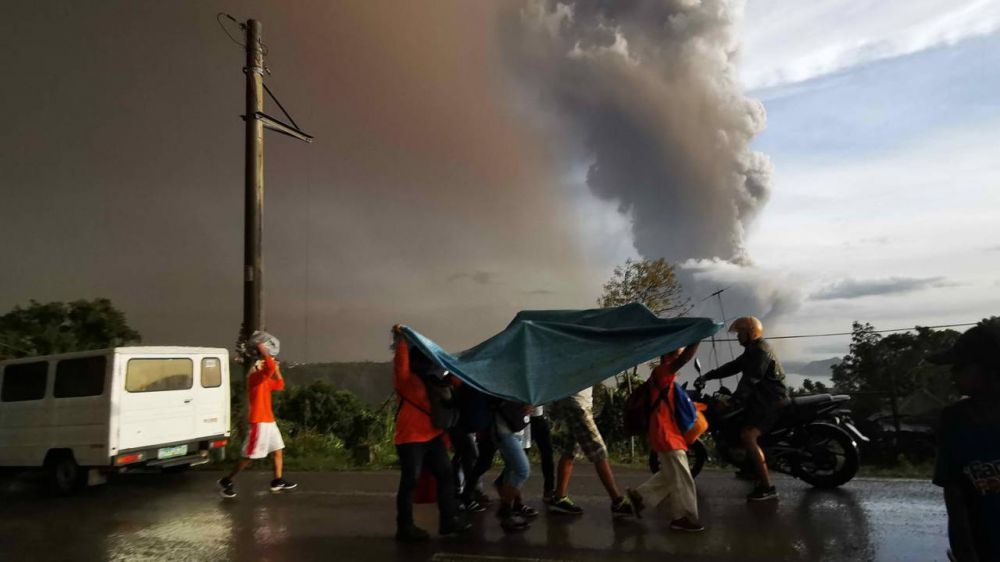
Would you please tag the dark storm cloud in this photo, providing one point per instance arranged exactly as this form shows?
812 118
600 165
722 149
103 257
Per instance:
123 172
858 288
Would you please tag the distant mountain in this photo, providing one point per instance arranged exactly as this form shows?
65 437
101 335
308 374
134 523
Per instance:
820 368
369 381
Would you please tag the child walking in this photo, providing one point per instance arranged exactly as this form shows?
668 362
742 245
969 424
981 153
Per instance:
673 482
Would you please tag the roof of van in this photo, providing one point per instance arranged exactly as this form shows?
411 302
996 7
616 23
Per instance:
131 350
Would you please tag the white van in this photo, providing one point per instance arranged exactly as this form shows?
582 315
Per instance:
82 415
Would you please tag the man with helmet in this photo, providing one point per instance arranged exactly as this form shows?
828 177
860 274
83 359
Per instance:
761 391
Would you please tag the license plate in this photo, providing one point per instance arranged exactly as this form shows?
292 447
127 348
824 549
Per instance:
171 452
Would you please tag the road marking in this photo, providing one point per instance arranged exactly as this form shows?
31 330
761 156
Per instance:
456 557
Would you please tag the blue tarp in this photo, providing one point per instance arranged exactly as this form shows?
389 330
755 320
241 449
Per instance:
545 355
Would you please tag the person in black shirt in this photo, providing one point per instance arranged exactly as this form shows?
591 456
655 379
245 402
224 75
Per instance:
968 461
761 391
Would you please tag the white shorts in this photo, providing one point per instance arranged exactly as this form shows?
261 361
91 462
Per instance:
262 439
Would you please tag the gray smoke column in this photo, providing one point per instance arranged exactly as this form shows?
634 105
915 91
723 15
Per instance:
650 91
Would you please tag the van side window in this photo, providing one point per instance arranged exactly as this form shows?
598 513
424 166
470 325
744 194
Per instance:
153 375
211 372
24 381
80 377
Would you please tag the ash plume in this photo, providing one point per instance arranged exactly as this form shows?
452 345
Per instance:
650 90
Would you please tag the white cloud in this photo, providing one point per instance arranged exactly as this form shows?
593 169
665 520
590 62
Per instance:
790 41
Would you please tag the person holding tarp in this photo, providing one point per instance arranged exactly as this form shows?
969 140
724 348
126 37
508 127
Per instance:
574 430
420 444
671 422
510 421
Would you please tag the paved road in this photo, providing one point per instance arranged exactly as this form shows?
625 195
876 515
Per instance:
350 517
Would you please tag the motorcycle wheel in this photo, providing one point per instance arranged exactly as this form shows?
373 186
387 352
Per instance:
697 455
828 457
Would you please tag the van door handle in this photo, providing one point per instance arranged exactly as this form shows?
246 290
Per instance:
188 401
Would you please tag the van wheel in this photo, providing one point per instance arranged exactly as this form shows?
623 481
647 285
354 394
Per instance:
65 476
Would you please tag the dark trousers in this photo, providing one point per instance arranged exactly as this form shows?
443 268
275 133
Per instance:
464 459
541 434
413 458
487 450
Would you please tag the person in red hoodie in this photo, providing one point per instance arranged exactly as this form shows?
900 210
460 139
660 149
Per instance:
419 445
674 480
263 437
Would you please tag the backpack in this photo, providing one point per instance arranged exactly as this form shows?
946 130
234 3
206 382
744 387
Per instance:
441 395
513 415
638 410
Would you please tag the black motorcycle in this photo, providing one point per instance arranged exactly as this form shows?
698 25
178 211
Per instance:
814 439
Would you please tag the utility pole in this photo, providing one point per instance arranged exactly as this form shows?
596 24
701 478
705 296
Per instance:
253 202
253 310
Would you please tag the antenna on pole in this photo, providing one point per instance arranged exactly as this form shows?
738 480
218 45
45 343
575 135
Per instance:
725 320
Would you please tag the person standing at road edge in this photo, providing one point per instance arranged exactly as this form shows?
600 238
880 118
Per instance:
968 462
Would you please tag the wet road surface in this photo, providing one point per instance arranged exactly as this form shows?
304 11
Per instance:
351 517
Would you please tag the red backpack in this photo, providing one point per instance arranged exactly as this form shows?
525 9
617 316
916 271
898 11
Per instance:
638 410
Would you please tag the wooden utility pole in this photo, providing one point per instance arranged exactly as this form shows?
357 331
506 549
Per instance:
253 309
253 203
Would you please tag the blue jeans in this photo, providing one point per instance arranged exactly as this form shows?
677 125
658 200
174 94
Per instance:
516 467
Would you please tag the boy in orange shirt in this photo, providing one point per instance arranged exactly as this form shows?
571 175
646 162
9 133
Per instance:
263 437
674 480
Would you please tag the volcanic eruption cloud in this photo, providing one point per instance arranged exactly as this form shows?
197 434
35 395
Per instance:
650 91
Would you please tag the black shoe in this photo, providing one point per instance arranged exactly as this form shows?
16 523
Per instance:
412 533
514 522
622 507
687 525
280 485
472 506
482 498
525 511
228 489
565 505
454 526
763 493
637 502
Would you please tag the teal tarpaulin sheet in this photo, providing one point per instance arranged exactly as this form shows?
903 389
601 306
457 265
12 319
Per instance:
545 355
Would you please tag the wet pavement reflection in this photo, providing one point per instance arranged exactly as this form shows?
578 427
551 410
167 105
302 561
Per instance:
350 516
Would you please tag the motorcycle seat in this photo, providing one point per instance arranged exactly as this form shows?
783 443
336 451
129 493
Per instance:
801 401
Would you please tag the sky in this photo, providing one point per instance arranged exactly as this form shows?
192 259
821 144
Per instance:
824 162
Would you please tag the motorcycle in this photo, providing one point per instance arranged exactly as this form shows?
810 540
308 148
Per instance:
814 439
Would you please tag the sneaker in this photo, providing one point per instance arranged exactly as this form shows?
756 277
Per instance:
622 507
482 498
565 505
454 526
513 522
280 485
472 506
525 511
412 533
228 489
548 496
687 525
763 493
637 502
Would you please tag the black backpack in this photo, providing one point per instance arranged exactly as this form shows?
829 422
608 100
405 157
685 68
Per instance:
444 407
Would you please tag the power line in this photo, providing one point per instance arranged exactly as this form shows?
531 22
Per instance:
796 336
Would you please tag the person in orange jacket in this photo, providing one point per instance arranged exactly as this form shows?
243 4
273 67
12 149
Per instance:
674 480
263 436
420 444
